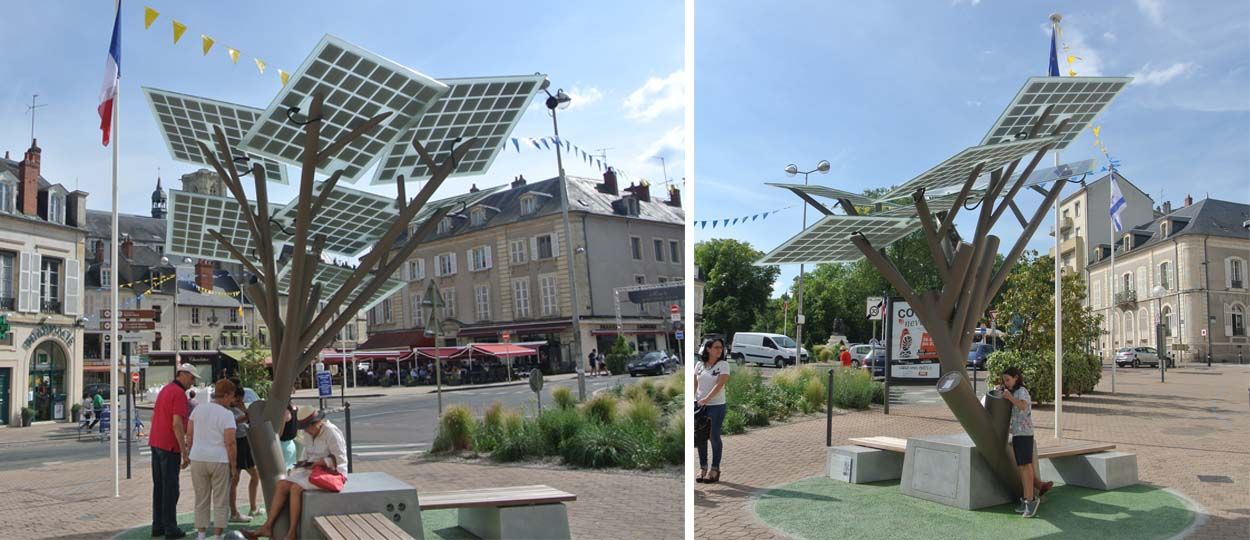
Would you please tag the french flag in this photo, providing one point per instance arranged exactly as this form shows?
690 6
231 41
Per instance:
112 77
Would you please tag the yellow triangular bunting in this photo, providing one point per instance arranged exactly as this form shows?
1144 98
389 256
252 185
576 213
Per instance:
260 64
1097 129
149 17
179 29
283 76
1072 59
1071 73
207 43
234 54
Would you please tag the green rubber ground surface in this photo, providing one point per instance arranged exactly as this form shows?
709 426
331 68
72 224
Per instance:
438 525
819 508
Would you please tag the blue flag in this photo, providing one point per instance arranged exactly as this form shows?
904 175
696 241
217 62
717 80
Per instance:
1054 57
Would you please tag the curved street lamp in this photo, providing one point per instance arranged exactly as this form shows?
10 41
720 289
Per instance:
792 170
561 101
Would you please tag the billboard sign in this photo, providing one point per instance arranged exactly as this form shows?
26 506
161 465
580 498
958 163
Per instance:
913 353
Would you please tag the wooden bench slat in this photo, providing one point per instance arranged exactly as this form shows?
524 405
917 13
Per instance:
387 528
494 497
359 527
348 528
896 444
892 444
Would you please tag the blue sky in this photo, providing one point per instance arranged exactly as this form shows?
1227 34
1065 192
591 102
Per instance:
621 64
884 90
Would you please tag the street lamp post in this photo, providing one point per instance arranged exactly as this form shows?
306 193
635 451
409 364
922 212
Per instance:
791 170
1158 291
561 100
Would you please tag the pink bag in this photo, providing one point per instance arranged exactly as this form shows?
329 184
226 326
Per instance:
327 478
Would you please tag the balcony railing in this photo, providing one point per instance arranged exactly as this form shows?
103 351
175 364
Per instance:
1065 223
50 306
8 304
1126 299
1237 284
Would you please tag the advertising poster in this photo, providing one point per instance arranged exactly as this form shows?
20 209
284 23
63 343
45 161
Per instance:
914 356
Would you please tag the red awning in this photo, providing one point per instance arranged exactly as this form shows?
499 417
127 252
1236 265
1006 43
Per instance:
100 369
446 353
631 332
401 339
383 354
503 350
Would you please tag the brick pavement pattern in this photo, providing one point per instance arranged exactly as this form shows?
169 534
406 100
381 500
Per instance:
1197 423
73 501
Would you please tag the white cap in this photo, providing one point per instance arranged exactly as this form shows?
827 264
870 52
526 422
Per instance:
188 368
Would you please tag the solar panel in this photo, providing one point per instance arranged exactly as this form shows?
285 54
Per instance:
1039 177
829 240
185 120
192 215
488 108
955 170
351 219
333 277
826 192
1080 98
357 85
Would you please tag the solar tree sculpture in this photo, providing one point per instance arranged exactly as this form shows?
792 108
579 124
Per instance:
969 281
312 316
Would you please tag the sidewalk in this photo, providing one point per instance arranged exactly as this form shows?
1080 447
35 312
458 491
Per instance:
1198 423
74 501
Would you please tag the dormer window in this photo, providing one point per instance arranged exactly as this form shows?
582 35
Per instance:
477 216
56 207
8 194
529 205
444 226
1163 229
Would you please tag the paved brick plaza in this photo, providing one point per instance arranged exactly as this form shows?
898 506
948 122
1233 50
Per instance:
73 501
1198 423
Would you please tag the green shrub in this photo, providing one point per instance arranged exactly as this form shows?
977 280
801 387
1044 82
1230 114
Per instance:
455 430
1081 372
1039 376
735 422
852 388
635 392
818 349
827 355
563 397
814 394
597 445
673 440
618 355
601 408
557 426
642 413
878 392
519 440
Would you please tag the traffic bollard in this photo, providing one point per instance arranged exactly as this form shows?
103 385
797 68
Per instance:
347 421
829 411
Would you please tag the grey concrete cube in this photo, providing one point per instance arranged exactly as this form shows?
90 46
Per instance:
861 465
1102 470
536 522
364 493
947 469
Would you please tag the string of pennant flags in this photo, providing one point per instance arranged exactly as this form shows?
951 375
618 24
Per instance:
1112 164
551 143
729 222
207 43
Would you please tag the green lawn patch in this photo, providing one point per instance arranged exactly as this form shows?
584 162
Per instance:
438 525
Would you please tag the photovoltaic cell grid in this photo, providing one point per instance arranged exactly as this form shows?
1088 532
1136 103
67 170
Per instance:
936 204
351 219
826 192
1080 98
333 277
1039 176
357 85
488 108
192 215
829 240
955 170
185 120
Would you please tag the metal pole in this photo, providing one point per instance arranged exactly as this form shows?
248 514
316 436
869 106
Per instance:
888 330
572 263
1163 361
347 419
130 411
1111 305
114 349
829 411
438 365
798 323
1058 323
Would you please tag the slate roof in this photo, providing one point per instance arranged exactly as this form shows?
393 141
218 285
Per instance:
223 283
142 229
1212 217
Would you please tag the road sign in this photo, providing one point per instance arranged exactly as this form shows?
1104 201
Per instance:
134 377
324 387
801 319
137 314
675 310
135 337
1204 332
134 326
536 380
680 335
876 305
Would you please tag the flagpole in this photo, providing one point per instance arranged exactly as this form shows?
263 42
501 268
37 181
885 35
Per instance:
1054 29
114 348
1111 314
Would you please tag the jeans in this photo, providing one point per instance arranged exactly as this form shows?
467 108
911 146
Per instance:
165 468
717 414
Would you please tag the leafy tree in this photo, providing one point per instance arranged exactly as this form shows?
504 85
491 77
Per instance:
618 356
772 317
736 290
252 371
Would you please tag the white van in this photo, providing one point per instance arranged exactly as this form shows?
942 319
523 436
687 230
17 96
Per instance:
764 349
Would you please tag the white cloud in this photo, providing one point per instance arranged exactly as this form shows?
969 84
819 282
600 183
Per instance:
1160 77
969 2
1152 9
583 97
657 96
973 103
1109 37
672 147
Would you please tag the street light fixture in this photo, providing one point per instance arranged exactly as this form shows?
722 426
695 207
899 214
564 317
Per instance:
1158 291
561 101
792 170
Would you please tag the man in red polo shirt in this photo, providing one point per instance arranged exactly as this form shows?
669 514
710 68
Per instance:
169 451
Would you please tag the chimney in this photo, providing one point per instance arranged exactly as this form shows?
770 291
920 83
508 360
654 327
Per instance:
1189 200
28 181
674 197
204 274
6 154
609 183
518 182
128 247
642 190
473 188
1167 207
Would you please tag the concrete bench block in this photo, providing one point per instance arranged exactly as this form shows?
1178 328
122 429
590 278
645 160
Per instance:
861 465
537 522
1102 470
948 469
364 493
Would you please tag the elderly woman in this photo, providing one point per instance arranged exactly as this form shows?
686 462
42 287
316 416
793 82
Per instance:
212 450
328 449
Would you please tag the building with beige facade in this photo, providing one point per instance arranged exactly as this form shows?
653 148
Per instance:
1085 221
1186 270
501 266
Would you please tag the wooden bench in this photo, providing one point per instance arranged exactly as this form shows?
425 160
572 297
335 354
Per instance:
359 527
1064 449
522 512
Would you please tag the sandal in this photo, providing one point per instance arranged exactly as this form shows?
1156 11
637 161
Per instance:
701 477
713 476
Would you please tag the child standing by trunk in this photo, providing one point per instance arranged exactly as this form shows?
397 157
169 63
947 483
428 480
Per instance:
1014 391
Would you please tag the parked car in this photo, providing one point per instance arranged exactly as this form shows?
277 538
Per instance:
652 363
876 363
861 352
101 388
978 354
1139 356
766 349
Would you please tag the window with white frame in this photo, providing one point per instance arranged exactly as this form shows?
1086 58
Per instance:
444 225
234 314
529 204
481 298
1143 323
1143 285
1237 320
674 251
477 216
521 297
517 252
416 310
1165 316
658 249
480 258
1165 274
416 269
445 264
544 247
195 315
8 195
50 281
56 207
7 270
1236 269
449 303
635 247
386 310
1127 282
547 294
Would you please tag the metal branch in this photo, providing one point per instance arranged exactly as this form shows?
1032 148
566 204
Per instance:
949 221
950 291
1014 254
930 234
969 313
233 250
887 268
1019 215
327 188
352 135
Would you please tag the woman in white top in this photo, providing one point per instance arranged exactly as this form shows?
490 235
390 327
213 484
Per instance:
710 376
212 450
328 448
